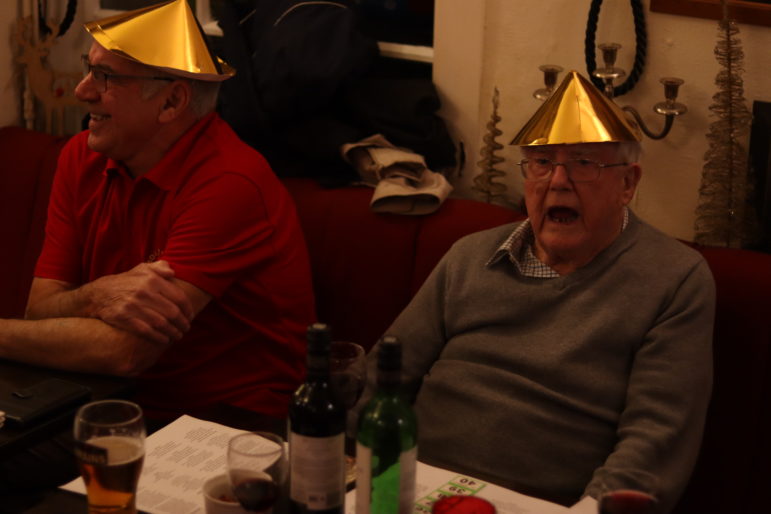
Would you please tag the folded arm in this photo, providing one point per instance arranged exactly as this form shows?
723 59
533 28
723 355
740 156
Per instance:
145 301
119 324
77 344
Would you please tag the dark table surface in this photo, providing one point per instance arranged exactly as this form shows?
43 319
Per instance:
15 376
14 439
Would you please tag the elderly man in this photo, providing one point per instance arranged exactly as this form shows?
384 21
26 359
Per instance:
574 348
172 252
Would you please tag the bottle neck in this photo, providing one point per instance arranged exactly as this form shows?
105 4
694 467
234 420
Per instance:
318 366
389 380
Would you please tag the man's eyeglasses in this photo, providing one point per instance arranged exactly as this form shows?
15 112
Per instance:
578 170
100 76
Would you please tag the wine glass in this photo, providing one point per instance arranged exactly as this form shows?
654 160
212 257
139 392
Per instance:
110 449
628 492
257 468
347 372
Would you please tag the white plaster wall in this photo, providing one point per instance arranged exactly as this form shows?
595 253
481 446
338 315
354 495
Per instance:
519 35
459 51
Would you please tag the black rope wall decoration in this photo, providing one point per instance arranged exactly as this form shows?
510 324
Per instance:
64 26
641 44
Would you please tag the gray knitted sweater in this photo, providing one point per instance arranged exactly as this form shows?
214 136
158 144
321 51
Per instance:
544 385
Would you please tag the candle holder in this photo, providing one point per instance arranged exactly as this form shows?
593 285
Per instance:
550 73
608 74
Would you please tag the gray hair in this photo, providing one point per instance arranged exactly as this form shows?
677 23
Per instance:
203 93
629 151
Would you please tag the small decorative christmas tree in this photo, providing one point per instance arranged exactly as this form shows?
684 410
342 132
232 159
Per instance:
724 216
484 182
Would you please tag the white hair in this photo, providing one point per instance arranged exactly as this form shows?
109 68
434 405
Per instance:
203 97
629 151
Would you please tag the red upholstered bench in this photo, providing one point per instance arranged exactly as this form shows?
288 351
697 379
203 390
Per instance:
27 168
366 267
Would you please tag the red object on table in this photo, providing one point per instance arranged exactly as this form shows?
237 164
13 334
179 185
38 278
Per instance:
627 502
460 504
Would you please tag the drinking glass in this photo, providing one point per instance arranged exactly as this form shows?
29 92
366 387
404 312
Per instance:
628 492
257 468
110 449
347 372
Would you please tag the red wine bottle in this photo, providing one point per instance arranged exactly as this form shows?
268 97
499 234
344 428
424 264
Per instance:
316 436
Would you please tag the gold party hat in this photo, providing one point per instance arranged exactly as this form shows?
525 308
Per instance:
577 112
166 36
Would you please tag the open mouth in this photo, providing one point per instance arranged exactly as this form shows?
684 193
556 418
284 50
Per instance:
99 117
562 214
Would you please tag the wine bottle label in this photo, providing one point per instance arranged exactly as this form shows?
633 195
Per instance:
387 491
317 469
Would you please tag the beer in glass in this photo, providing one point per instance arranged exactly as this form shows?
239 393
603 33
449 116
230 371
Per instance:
109 446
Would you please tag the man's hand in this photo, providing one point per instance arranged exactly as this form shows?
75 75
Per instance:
118 324
144 301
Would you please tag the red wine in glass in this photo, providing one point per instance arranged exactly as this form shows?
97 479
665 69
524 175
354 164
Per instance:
347 372
627 501
256 494
346 388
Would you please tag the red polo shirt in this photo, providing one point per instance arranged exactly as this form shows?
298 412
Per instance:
213 209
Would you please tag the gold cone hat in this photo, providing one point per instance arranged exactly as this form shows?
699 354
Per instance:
577 112
166 36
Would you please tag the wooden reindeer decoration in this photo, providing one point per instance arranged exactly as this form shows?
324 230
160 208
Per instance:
54 90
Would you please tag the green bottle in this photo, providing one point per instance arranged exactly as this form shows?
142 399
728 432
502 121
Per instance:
386 443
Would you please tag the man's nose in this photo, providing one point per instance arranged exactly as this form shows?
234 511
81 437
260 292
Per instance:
559 176
86 90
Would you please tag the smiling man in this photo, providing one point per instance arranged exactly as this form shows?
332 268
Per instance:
172 253
555 355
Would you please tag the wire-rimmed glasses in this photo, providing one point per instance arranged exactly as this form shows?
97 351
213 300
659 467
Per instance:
101 76
578 170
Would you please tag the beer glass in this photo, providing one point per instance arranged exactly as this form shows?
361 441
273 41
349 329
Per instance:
110 449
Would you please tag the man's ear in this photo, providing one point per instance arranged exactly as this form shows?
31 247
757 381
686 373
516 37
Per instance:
631 179
176 101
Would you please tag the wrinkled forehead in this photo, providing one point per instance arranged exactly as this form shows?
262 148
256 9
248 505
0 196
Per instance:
580 150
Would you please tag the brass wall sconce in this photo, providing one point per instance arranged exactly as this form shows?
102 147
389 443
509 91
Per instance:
609 73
